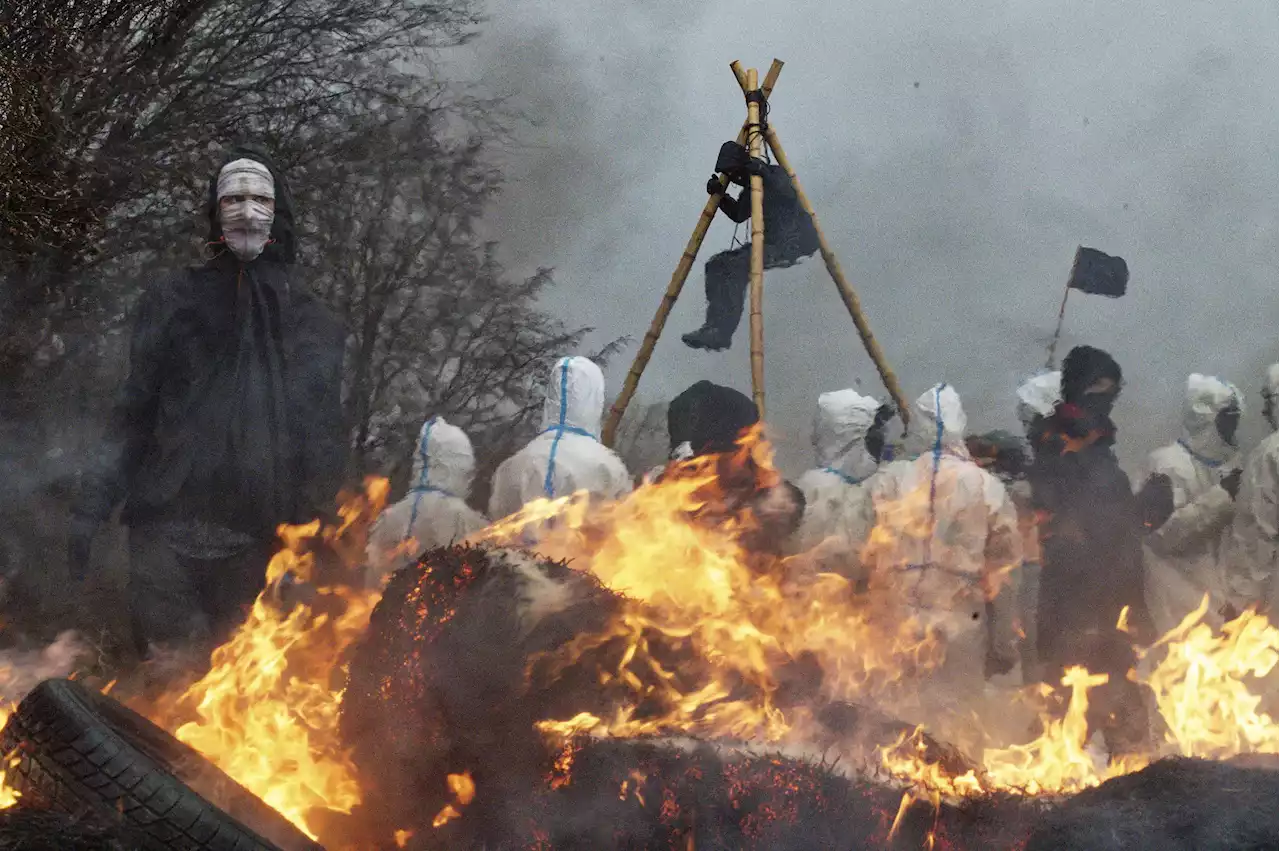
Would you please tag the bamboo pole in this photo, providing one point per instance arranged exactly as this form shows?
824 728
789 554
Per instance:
847 295
674 287
755 140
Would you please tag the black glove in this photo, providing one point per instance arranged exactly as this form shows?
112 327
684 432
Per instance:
714 186
80 546
1155 501
1231 482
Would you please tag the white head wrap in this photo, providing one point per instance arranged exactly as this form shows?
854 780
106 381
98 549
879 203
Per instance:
246 224
246 177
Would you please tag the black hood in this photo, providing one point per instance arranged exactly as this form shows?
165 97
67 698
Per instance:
1082 367
710 417
281 248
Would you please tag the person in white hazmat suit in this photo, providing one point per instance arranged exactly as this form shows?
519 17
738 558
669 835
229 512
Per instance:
1183 558
568 455
434 513
946 540
1252 555
838 512
1037 397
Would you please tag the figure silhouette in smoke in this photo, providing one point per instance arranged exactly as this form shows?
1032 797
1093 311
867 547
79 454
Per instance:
228 424
789 237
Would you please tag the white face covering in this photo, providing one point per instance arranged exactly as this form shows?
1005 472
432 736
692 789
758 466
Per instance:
246 224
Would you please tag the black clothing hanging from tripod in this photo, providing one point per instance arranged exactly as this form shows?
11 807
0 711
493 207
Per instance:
789 237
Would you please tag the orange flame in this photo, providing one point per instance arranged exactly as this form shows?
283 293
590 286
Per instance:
674 548
1207 685
267 711
463 789
8 795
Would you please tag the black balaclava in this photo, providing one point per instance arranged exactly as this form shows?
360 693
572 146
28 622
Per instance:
281 248
1226 422
1083 366
875 435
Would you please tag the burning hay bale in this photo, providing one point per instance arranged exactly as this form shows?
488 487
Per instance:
682 793
472 649
1173 805
439 683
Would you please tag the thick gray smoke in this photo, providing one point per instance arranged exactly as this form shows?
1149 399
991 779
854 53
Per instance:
956 156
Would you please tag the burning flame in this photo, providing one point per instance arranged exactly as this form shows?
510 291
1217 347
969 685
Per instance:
1206 686
463 789
770 639
267 711
8 795
688 580
675 549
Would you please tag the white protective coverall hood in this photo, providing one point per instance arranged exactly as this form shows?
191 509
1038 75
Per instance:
945 528
568 455
434 513
1183 555
1038 396
838 512
1252 551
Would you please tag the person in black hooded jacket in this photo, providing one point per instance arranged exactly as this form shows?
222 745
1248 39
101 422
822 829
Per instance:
228 424
1091 543
711 419
789 237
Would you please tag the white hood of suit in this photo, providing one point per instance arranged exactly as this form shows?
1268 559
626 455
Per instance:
575 396
1039 395
840 426
443 459
1206 397
940 422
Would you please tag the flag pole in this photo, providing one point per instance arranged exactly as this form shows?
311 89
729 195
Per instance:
1062 309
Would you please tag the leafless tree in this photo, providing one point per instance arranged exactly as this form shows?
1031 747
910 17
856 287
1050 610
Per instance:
108 110
436 326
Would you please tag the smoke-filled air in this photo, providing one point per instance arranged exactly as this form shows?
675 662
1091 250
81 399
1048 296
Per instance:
449 425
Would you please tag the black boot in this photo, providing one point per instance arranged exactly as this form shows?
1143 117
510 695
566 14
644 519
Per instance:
726 277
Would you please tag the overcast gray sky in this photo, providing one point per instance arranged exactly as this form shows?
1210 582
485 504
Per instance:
1147 130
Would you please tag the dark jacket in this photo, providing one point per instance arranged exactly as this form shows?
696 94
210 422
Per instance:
789 234
712 419
1091 538
231 412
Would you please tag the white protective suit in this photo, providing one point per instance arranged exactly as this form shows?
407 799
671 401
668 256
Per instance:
1183 557
1252 547
1037 397
943 525
568 455
434 513
838 513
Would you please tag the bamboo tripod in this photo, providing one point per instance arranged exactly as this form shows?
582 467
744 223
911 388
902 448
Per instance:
755 134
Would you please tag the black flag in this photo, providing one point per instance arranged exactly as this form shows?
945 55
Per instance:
1099 274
